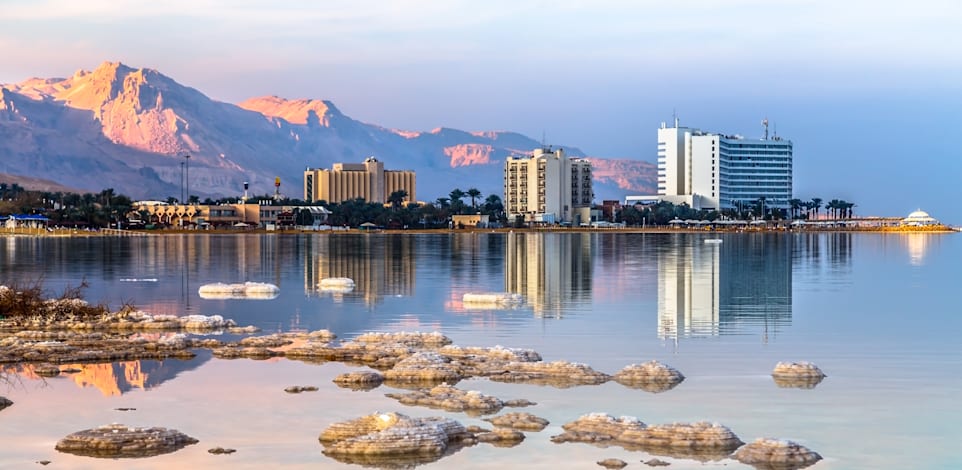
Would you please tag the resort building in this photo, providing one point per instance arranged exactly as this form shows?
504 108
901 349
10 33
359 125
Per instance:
548 187
347 181
919 218
715 171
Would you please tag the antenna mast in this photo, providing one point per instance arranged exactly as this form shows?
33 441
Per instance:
765 124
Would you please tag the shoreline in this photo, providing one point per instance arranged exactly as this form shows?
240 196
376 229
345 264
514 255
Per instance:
69 233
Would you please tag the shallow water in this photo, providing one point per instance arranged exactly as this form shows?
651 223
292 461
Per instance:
877 312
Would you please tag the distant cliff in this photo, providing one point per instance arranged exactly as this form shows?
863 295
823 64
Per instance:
130 129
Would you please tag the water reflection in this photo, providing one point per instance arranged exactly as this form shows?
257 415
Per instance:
116 378
380 266
552 271
743 285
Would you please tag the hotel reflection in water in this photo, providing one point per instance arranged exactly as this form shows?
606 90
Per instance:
379 266
550 270
740 286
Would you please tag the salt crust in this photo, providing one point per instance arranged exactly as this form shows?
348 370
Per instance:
119 441
778 454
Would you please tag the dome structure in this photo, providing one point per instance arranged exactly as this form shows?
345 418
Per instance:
919 218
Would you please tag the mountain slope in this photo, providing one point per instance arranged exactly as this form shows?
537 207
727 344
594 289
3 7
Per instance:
130 129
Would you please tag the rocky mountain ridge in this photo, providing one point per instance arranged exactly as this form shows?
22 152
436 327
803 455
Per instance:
129 129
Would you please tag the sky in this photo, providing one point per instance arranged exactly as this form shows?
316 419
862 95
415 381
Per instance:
869 92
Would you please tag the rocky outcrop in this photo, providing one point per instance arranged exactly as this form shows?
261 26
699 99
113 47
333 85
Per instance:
392 439
519 421
797 375
651 376
4 402
561 374
120 441
612 463
449 398
424 367
300 388
765 453
501 437
701 440
363 380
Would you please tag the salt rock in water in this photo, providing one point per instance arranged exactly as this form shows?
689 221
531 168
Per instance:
561 374
336 285
700 440
612 463
119 441
597 427
362 380
797 375
776 454
483 361
651 376
449 398
492 300
519 420
392 438
501 437
422 367
4 402
408 338
246 290
684 439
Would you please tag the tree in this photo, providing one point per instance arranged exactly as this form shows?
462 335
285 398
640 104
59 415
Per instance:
473 193
443 202
397 198
816 204
796 205
457 205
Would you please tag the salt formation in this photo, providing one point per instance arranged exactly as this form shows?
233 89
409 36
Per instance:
364 380
561 374
449 398
612 463
519 420
797 375
336 285
392 438
501 437
4 402
651 376
491 299
246 290
776 454
300 388
221 451
424 367
699 440
407 338
118 440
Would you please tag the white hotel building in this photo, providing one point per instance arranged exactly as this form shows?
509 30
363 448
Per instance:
715 171
549 187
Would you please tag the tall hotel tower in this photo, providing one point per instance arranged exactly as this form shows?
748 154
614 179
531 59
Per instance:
715 171
548 187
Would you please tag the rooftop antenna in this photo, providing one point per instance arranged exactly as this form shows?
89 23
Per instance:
765 123
544 142
774 131
674 117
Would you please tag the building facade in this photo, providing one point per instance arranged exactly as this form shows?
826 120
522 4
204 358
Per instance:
715 171
548 187
347 181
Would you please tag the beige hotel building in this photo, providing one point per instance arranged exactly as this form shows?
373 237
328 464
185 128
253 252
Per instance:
347 181
549 187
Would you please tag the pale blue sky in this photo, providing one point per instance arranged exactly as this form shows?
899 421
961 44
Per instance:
870 92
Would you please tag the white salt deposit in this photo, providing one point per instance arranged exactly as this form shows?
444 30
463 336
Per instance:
496 298
246 290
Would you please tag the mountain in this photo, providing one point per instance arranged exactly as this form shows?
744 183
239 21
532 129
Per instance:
130 129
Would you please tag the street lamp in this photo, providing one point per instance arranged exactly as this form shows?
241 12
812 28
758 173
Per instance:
187 177
181 182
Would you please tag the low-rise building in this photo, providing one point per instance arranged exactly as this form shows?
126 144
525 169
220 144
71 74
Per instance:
368 181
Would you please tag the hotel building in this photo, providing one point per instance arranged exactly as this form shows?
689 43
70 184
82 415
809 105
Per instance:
548 187
715 171
347 181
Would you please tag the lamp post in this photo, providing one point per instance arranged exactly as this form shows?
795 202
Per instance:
187 177
181 182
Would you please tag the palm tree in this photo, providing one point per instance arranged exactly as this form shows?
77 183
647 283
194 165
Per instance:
443 202
456 203
473 193
796 205
816 204
397 198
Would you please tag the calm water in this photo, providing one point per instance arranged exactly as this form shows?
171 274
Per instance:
878 313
